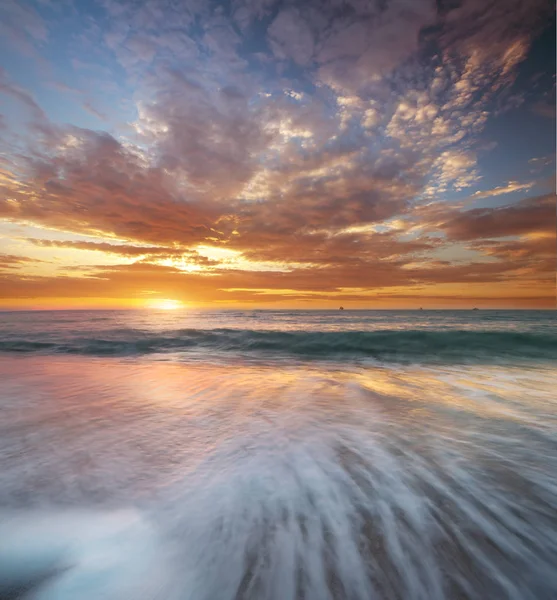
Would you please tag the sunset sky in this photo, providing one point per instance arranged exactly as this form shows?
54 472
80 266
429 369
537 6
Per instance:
374 154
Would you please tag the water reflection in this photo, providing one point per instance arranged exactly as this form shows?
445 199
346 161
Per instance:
248 481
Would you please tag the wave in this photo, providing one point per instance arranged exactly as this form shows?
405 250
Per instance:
393 346
163 481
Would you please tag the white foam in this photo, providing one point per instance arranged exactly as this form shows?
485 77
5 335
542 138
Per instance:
81 555
275 485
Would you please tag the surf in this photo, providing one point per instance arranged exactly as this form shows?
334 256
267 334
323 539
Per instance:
196 482
387 345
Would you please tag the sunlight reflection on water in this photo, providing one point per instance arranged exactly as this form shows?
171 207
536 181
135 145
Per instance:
251 481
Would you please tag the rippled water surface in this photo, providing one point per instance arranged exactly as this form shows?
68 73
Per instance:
280 455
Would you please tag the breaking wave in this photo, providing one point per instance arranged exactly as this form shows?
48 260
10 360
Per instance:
395 346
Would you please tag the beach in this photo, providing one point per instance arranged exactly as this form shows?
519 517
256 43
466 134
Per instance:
278 454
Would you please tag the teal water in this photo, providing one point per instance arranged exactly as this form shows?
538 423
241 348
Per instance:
398 336
222 455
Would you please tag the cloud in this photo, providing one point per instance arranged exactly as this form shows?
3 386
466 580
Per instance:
22 96
216 169
22 26
123 249
92 110
527 247
179 258
12 261
290 36
370 41
511 186
543 161
453 169
531 215
88 182
291 135
359 280
544 109
209 137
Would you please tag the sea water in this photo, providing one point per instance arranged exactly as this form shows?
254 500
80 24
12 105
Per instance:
220 455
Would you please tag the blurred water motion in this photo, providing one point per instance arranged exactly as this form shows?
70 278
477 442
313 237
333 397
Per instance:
237 476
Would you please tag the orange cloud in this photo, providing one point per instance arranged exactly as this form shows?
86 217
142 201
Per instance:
293 172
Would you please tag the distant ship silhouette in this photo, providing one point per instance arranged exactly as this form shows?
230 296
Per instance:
341 308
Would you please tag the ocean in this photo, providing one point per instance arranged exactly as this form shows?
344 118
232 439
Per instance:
278 455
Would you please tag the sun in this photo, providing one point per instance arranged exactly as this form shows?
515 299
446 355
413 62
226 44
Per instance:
165 304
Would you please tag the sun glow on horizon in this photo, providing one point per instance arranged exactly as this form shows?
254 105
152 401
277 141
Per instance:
165 304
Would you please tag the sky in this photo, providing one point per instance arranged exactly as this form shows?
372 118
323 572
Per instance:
270 154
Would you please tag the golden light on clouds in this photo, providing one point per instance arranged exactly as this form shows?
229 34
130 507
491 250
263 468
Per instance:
224 177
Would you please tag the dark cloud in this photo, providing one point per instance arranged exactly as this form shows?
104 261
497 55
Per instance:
210 139
12 261
536 254
144 253
85 181
531 215
123 249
